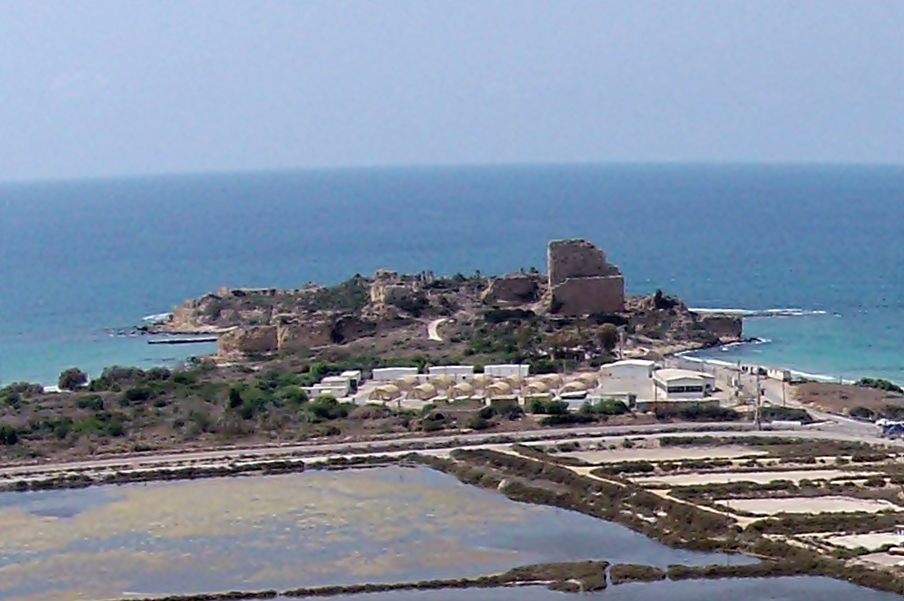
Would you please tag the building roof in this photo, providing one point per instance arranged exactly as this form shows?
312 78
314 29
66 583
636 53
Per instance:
666 375
631 362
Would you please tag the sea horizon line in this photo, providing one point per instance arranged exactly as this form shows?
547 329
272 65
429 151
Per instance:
443 166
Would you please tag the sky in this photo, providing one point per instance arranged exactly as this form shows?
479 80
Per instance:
98 88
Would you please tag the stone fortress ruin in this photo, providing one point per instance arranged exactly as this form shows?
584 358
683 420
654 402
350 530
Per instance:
582 281
579 283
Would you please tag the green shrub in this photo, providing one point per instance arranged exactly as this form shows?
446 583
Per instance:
137 394
8 435
879 384
431 425
862 413
327 408
91 401
785 413
559 419
487 412
116 428
184 378
72 379
476 422
548 407
235 397
11 398
695 412
158 373
604 407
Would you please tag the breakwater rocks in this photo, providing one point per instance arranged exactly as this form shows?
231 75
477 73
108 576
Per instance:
624 573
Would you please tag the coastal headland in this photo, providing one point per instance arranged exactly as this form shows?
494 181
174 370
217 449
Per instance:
581 293
554 390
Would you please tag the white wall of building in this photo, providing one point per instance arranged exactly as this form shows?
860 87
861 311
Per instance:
782 375
681 384
504 371
353 374
338 383
459 372
338 391
388 374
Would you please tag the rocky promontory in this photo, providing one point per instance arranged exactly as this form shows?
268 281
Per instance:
581 292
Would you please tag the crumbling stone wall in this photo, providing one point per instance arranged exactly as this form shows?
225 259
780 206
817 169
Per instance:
585 296
302 333
581 280
576 259
250 340
511 289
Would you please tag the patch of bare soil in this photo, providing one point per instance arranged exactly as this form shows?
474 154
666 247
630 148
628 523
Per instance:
842 398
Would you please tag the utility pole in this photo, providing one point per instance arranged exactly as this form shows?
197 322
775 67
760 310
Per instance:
783 391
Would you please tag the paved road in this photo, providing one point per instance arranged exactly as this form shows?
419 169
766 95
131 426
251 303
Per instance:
829 430
432 329
360 447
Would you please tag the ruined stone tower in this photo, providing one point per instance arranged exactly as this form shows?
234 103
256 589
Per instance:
581 281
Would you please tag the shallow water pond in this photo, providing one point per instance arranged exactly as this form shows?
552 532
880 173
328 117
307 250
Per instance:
316 528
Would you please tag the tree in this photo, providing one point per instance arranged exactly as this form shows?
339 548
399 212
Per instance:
72 379
8 435
235 397
608 337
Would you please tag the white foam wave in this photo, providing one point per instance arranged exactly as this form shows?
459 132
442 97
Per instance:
156 317
784 312
820 377
717 362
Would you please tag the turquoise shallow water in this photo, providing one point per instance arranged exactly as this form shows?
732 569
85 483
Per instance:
80 258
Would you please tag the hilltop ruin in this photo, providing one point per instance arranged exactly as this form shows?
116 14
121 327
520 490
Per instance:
581 281
580 284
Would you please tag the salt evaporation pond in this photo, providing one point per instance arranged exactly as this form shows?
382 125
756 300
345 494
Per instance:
311 529
798 588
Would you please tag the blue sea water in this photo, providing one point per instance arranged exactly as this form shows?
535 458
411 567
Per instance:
79 259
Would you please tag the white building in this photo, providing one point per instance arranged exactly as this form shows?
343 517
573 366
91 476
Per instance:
628 369
782 375
504 371
353 375
459 372
390 374
681 384
326 389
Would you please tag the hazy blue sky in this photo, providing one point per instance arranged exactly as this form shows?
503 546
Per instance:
122 87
